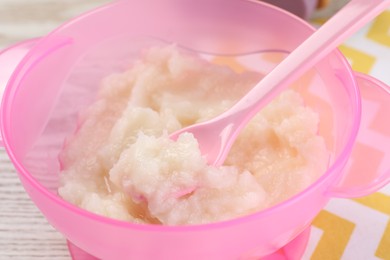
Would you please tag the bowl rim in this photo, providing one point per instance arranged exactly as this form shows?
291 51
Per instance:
339 162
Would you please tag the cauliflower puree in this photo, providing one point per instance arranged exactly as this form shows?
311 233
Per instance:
121 163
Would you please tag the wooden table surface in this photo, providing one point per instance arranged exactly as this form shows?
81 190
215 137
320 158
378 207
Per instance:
24 232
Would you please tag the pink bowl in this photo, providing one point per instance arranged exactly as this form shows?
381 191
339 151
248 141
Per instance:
57 76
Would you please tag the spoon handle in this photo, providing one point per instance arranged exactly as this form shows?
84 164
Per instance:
347 21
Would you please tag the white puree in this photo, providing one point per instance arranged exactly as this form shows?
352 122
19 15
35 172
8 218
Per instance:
121 163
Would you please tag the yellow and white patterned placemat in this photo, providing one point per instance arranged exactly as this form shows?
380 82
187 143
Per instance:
359 228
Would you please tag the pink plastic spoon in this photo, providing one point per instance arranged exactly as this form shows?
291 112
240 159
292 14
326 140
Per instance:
217 135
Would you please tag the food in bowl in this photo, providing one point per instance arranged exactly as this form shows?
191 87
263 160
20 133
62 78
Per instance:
121 163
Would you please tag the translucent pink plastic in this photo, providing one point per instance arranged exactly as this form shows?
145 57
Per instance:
60 75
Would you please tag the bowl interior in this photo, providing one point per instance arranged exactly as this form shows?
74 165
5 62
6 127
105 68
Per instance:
67 78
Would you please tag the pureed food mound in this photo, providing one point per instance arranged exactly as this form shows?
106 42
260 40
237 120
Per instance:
121 163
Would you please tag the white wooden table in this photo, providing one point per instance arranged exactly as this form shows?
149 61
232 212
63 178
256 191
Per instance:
24 232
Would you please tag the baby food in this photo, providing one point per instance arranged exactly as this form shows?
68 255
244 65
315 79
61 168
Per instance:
121 163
